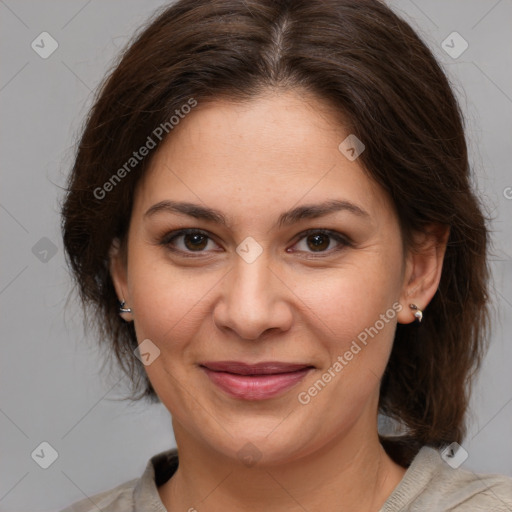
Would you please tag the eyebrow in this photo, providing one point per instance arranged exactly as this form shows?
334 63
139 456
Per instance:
308 211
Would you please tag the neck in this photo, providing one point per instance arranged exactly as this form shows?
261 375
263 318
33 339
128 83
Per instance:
350 474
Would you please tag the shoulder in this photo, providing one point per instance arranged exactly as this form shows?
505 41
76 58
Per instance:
431 483
463 490
118 499
134 495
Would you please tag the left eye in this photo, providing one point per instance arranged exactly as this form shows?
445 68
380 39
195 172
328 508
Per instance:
321 241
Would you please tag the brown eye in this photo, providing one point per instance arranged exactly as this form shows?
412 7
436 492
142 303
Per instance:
187 241
322 242
318 242
196 241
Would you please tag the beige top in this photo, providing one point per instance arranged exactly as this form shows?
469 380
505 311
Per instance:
429 484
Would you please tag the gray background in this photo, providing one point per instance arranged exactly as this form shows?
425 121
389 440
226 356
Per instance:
51 386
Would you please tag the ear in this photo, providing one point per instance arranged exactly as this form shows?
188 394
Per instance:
424 264
118 272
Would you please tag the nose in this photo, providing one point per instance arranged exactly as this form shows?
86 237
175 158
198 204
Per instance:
254 301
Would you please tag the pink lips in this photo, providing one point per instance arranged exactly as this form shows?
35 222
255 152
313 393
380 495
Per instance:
254 381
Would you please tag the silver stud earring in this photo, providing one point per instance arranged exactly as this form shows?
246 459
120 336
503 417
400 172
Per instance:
418 313
122 309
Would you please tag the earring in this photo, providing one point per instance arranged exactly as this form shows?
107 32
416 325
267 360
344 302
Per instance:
122 309
418 312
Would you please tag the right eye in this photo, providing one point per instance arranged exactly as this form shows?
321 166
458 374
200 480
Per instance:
187 241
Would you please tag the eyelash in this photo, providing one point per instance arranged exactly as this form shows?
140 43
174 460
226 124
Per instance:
341 239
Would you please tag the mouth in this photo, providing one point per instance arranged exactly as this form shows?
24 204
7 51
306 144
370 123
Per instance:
259 381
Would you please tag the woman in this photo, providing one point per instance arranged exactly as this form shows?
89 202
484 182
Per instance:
270 213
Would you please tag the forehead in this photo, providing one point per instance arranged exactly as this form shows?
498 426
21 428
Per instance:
279 149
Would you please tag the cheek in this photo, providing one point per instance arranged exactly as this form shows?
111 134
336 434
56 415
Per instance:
170 310
343 302
353 320
169 302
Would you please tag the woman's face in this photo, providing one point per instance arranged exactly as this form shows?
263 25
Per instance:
278 280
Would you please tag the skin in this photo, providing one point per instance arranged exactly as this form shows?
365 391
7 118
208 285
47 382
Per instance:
295 303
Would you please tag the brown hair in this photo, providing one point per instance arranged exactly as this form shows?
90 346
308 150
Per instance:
373 69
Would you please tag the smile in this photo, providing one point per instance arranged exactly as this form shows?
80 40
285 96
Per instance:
255 382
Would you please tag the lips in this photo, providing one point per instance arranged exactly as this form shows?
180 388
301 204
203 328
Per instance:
259 381
265 368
